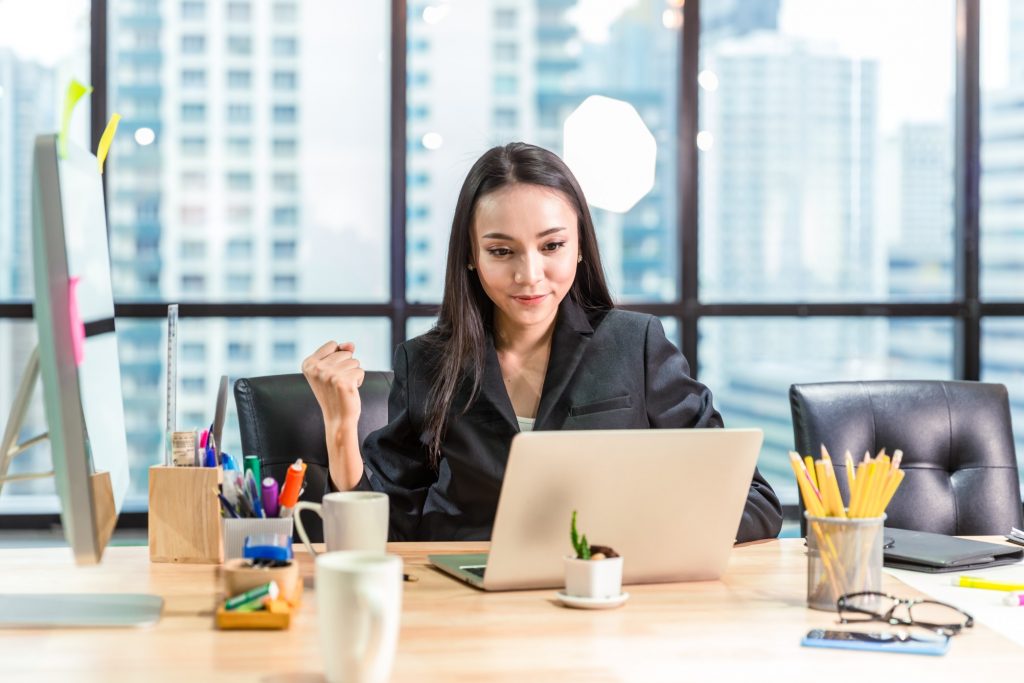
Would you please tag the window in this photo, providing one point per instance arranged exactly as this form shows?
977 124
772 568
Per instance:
239 11
286 215
193 9
240 214
284 113
193 78
193 146
193 180
285 47
193 45
238 249
193 385
284 249
285 351
239 284
285 147
193 250
239 113
239 180
285 12
285 284
193 113
285 182
505 117
193 351
285 80
192 284
239 45
505 18
239 79
506 52
239 146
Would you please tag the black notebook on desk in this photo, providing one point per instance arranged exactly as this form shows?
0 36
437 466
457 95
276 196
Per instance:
921 551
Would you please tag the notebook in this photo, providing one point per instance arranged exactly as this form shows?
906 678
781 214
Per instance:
921 551
668 500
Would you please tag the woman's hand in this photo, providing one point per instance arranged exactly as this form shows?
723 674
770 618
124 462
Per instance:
334 374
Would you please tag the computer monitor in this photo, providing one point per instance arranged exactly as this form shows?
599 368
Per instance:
78 362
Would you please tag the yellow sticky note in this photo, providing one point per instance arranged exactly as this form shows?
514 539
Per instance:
106 139
75 92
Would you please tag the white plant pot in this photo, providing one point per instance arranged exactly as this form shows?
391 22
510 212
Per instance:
593 578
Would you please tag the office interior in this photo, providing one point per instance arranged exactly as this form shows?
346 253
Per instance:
825 202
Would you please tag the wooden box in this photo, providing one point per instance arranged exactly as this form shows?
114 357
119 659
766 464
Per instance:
184 515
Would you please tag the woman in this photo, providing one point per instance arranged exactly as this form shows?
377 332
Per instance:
527 338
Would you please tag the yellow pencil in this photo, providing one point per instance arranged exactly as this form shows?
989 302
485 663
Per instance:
851 477
809 464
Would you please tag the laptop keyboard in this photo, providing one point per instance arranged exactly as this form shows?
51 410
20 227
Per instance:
476 571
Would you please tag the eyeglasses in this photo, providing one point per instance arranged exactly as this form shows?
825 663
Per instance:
930 614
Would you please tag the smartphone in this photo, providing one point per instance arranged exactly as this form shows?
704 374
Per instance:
899 641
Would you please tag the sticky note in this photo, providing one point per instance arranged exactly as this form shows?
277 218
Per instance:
74 93
106 139
75 321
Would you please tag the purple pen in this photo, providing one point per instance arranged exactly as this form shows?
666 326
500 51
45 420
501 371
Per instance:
270 504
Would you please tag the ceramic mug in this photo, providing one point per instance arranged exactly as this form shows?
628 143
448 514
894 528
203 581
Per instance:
359 605
353 520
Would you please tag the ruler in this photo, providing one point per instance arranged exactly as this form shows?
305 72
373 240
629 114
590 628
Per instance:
172 380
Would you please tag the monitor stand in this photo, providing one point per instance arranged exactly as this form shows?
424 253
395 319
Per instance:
62 610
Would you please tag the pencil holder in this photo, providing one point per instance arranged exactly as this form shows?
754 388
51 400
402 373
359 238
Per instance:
184 515
843 556
235 531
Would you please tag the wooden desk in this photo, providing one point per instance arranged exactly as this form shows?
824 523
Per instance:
746 627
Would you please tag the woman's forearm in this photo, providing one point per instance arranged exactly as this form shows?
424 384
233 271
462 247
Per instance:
345 462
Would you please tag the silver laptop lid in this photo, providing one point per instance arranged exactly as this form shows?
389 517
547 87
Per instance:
668 500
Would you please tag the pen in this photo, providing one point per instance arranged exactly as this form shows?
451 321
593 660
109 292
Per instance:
216 429
225 505
253 494
210 459
270 496
1014 599
292 488
974 582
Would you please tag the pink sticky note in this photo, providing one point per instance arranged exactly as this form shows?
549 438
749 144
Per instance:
75 321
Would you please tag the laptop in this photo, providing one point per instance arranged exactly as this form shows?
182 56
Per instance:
668 500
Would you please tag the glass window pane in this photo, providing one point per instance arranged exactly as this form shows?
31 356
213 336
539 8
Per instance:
749 365
826 149
217 164
209 348
534 64
43 45
1001 342
1002 149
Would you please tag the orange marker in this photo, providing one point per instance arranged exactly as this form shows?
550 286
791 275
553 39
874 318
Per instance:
292 488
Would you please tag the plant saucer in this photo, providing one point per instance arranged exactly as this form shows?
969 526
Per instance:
592 603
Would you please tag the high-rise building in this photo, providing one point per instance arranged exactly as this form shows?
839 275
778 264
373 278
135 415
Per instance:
787 213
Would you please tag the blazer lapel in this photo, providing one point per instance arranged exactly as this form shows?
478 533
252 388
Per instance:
492 387
570 339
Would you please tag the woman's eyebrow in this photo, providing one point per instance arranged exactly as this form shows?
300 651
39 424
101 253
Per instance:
503 236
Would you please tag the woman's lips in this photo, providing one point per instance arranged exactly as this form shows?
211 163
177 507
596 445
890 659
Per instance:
530 300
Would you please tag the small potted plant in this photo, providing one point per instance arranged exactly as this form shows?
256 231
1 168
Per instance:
596 570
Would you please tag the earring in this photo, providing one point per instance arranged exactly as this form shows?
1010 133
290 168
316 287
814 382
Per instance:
579 259
470 266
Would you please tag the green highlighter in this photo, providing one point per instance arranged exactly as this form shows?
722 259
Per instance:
252 462
253 598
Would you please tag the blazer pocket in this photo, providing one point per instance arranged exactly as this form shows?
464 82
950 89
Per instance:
603 406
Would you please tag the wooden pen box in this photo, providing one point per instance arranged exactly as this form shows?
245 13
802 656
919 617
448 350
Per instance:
184 515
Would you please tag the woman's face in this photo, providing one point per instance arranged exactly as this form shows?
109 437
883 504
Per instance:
526 245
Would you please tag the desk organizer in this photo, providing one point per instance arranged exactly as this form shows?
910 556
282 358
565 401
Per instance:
184 515
276 616
235 531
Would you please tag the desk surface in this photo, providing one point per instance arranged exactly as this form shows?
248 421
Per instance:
746 626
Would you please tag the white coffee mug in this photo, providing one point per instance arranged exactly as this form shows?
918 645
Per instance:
353 520
359 605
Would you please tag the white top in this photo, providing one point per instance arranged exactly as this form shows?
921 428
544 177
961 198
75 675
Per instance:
525 423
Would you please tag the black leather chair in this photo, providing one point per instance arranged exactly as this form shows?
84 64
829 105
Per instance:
956 438
280 420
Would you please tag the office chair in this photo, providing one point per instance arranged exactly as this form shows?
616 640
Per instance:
280 420
956 438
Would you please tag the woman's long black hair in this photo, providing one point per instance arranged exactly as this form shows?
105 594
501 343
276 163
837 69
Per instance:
458 340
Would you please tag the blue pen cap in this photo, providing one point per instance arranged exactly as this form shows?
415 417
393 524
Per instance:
227 461
268 547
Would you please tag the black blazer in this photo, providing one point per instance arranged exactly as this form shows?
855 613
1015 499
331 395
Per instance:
607 370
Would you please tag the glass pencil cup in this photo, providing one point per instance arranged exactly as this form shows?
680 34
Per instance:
843 556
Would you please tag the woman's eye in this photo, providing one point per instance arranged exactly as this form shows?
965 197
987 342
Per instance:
499 251
554 246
